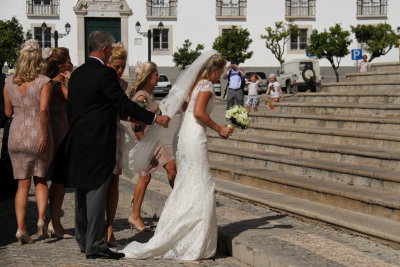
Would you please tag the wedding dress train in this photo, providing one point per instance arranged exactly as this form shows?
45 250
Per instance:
187 228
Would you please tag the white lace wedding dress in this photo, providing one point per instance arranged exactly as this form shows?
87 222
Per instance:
187 228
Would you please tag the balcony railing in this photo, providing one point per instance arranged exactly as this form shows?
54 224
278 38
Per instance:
300 8
161 8
378 8
43 9
231 8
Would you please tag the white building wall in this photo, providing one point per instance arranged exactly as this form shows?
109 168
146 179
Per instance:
196 21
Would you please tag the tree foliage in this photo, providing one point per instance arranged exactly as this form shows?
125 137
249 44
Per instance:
276 38
11 38
379 38
331 45
185 55
233 44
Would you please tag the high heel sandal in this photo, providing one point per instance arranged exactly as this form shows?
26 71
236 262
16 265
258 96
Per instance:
137 227
52 232
23 237
42 229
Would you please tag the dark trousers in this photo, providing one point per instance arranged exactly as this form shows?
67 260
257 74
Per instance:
8 185
90 226
235 96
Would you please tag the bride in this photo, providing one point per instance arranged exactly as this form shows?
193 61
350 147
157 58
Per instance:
187 228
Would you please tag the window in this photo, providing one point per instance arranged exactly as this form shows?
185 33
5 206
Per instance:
161 8
371 7
300 8
160 41
231 8
42 7
47 36
299 41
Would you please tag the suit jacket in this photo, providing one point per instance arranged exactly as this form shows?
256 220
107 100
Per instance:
89 149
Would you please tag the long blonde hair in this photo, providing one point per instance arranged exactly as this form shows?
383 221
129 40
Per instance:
29 63
143 73
215 63
58 56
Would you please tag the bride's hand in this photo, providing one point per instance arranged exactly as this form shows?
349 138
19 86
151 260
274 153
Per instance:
225 131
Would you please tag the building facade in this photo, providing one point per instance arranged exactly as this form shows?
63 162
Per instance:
199 21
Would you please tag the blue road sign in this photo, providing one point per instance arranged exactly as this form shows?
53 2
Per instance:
308 54
356 54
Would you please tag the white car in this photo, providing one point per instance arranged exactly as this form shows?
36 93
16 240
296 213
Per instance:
163 86
299 75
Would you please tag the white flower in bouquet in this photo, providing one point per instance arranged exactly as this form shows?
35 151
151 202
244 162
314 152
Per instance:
238 116
11 71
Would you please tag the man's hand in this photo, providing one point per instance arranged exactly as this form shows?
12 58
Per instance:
162 120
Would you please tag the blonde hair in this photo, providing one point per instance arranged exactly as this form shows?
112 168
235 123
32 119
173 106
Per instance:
118 52
143 73
57 57
215 63
29 63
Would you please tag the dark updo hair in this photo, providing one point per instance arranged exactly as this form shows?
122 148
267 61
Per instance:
58 56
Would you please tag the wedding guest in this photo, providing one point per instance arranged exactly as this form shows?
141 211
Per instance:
274 91
58 69
142 90
87 154
8 185
27 97
187 228
117 61
253 99
364 65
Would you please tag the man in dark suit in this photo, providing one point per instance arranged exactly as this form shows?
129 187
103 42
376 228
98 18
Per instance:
94 99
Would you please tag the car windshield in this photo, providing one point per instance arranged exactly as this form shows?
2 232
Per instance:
305 65
163 78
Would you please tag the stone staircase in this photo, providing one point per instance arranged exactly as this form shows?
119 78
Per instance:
331 156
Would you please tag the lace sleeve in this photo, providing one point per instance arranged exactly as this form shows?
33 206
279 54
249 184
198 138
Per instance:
205 86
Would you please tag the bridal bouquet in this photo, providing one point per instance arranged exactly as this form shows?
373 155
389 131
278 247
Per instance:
142 103
238 116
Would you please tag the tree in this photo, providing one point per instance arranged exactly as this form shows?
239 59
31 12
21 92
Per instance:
233 44
332 45
11 38
185 56
276 38
379 38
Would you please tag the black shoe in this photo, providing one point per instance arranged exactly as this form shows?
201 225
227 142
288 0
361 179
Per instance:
106 254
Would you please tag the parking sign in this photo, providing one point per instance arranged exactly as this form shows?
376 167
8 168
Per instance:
356 54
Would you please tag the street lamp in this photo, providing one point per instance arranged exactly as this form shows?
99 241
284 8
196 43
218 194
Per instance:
148 35
56 35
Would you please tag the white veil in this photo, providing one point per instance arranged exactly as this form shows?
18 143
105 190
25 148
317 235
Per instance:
169 106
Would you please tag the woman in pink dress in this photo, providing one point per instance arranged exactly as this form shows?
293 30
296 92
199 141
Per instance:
58 69
27 96
146 79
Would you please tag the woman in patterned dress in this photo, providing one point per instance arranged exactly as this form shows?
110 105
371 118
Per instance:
146 79
58 69
27 97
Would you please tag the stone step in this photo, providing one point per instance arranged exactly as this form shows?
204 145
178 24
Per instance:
374 76
381 124
386 66
384 230
324 170
372 202
380 110
376 140
356 98
365 156
355 87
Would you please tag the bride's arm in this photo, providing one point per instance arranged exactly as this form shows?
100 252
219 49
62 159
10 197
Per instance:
200 113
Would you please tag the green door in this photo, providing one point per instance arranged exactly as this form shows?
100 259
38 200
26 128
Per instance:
110 25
